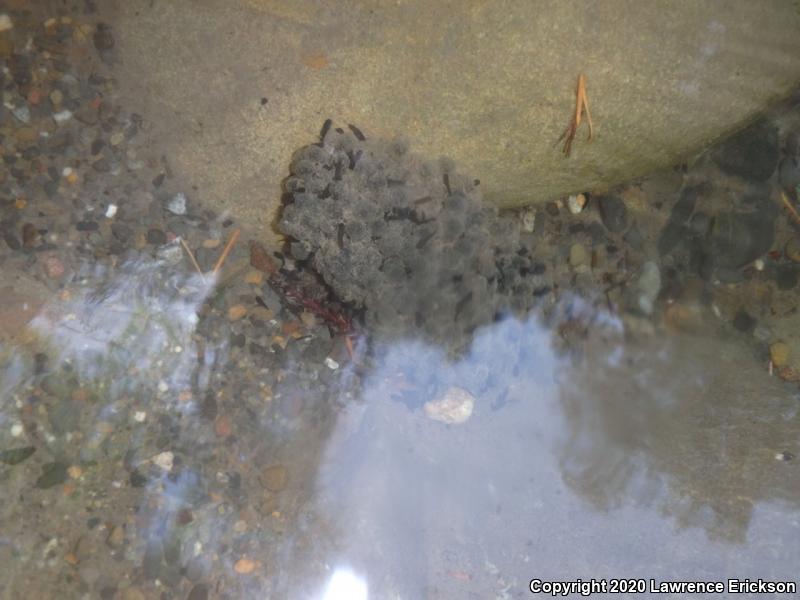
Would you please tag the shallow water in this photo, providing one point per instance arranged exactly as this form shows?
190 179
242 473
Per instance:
172 429
638 457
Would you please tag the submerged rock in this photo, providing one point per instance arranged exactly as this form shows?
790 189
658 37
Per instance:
453 407
789 173
738 239
177 204
614 213
53 474
14 456
648 286
752 153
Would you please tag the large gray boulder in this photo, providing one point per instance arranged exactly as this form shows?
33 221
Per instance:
235 86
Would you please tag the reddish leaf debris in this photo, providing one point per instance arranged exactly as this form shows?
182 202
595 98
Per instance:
261 260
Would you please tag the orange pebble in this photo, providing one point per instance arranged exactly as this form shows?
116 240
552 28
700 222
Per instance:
244 566
35 96
222 426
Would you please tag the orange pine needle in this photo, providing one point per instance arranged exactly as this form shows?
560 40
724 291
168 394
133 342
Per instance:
226 251
191 256
790 208
581 107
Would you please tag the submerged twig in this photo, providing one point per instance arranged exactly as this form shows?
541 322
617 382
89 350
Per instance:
260 259
226 251
192 258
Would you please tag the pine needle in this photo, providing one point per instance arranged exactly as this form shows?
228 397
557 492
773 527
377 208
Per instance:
193 259
226 251
790 208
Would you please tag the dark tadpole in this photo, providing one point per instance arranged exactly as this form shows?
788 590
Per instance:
357 132
325 128
340 235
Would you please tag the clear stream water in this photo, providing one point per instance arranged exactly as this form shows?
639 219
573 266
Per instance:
166 434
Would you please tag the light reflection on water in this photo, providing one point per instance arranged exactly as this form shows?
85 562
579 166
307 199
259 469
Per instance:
627 455
641 457
127 324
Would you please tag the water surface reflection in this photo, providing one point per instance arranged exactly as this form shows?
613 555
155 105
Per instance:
593 449
641 456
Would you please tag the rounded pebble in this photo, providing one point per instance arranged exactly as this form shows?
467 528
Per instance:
103 38
614 213
244 566
237 312
751 153
222 426
116 537
177 205
453 407
576 203
779 353
578 255
164 460
792 249
275 478
529 220
53 267
254 277
156 237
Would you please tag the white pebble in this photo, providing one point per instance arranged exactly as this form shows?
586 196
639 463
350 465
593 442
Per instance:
17 429
331 364
5 23
529 220
62 116
759 264
51 545
575 203
453 407
139 416
111 211
164 460
240 526
66 171
21 113
177 206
